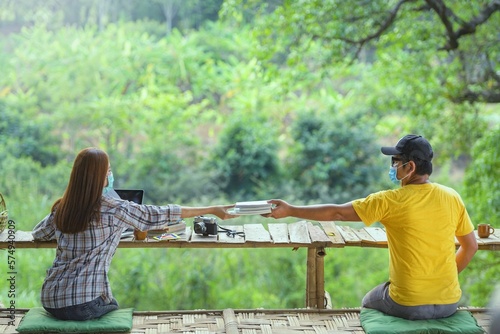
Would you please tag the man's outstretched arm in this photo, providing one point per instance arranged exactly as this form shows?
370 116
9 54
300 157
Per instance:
320 212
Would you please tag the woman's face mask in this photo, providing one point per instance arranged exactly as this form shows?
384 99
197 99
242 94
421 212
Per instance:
110 183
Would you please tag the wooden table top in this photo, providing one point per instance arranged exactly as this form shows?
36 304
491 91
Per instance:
299 234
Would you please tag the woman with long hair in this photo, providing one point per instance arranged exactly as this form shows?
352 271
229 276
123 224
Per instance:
88 226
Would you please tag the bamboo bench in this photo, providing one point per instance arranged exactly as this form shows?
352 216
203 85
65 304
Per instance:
257 321
316 237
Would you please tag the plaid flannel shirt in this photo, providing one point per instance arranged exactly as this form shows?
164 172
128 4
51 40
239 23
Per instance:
79 273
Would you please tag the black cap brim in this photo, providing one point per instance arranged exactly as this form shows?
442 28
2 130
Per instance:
390 151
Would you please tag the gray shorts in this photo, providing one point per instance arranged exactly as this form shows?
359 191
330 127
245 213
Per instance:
378 298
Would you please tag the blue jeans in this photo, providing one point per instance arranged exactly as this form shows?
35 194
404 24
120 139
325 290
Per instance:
378 298
94 309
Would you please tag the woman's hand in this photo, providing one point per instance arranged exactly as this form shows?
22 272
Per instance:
216 210
221 211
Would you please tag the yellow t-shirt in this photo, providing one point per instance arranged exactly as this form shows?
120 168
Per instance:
421 222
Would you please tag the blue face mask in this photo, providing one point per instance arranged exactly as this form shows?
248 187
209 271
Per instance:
111 179
392 175
393 171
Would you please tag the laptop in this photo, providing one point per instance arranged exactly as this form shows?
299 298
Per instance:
133 195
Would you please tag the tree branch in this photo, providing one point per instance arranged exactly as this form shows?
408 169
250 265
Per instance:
470 27
443 12
385 25
483 96
466 28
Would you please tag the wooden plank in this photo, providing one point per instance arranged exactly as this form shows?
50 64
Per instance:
189 232
18 236
378 234
497 232
150 239
256 233
364 235
299 233
348 234
333 233
232 238
492 239
317 234
496 237
184 236
279 233
24 236
203 238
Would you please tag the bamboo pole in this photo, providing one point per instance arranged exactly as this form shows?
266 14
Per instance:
311 294
320 277
230 321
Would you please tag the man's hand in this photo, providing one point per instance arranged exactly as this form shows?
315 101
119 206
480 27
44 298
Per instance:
279 209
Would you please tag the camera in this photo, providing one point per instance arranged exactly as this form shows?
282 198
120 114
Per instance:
205 225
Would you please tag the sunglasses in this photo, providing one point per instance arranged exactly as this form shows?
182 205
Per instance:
394 161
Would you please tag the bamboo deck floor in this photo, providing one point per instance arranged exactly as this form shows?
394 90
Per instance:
255 321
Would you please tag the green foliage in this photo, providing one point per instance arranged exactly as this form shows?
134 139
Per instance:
29 190
408 72
54 14
333 162
351 272
482 197
245 157
483 268
21 137
482 179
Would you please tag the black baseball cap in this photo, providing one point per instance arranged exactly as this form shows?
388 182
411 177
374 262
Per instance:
412 146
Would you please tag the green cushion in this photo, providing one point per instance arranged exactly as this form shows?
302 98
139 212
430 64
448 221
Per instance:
37 320
376 322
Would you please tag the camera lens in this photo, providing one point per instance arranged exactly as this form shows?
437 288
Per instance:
200 228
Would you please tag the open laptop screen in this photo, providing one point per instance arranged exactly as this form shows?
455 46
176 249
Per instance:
133 195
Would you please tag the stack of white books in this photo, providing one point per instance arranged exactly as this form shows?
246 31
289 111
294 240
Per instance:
251 208
178 227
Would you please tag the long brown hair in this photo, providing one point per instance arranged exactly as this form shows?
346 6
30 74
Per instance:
81 201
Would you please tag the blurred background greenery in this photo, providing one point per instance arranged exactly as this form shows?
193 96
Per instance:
210 102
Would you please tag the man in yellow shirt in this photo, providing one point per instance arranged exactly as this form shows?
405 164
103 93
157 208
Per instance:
421 220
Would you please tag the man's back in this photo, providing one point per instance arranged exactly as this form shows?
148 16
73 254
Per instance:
421 221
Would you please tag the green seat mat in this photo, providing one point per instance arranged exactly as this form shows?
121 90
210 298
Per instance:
376 322
37 320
